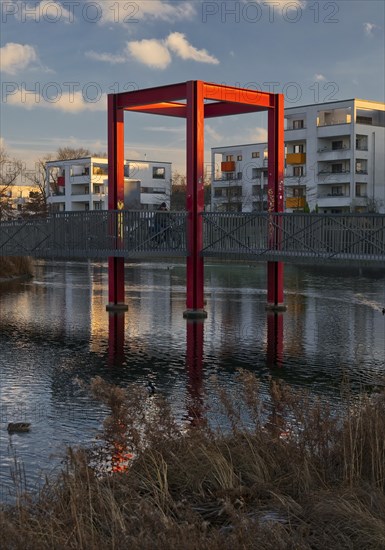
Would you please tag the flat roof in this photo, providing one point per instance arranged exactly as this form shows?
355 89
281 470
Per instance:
106 160
337 101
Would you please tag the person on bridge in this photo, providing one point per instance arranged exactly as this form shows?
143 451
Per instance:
161 221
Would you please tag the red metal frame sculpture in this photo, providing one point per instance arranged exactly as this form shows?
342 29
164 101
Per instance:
195 100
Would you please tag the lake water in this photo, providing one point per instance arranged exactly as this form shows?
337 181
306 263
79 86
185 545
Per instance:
54 337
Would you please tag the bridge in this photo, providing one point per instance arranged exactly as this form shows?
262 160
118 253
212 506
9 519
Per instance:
266 237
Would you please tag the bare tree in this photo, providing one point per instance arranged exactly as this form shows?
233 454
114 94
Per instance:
38 178
10 170
67 153
179 188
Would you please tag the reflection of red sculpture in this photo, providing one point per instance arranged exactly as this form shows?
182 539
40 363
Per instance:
120 456
194 359
274 339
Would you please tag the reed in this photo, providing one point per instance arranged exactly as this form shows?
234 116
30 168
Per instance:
288 473
16 266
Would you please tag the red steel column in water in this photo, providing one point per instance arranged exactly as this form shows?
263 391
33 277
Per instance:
275 197
115 201
195 200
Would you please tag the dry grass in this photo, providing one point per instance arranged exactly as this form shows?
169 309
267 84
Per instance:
315 482
16 266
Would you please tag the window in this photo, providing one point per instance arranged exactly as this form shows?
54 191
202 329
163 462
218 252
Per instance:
79 170
337 145
337 191
297 124
86 206
298 192
298 171
337 169
229 175
364 120
362 143
361 167
158 172
361 190
239 175
229 158
255 155
298 148
239 157
98 189
100 169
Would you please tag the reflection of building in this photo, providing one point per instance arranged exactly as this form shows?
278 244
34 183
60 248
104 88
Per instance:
335 162
82 184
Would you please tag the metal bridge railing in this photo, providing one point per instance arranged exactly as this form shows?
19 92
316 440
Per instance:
96 234
295 237
258 236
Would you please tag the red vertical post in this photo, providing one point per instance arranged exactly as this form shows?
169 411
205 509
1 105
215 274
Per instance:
275 197
115 200
195 200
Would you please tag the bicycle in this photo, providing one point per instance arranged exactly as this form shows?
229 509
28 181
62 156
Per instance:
166 238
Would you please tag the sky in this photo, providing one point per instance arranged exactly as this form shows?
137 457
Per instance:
60 59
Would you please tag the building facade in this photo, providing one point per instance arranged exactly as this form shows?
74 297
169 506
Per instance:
17 200
334 162
82 184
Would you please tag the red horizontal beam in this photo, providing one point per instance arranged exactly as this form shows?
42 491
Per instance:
159 94
164 108
232 94
227 109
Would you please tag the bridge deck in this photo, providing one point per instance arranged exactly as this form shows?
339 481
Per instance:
315 238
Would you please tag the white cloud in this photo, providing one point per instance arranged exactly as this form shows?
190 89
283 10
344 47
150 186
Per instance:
123 12
16 57
156 53
66 102
152 53
177 43
369 28
107 57
258 135
285 4
213 134
319 77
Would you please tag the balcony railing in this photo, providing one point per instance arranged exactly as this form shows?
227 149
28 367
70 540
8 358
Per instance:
329 172
328 149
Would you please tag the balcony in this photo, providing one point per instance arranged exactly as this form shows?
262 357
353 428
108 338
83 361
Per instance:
296 158
228 166
295 202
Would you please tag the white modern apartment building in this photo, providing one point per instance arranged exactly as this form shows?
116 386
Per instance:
334 162
82 184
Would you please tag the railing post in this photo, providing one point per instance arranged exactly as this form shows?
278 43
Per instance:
275 198
115 202
195 201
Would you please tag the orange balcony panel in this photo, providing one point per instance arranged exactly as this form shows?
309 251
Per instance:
296 158
228 166
295 202
61 180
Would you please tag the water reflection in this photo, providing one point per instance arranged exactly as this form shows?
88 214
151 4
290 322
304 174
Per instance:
56 336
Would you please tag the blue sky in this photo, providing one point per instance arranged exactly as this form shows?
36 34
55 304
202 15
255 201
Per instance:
59 59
